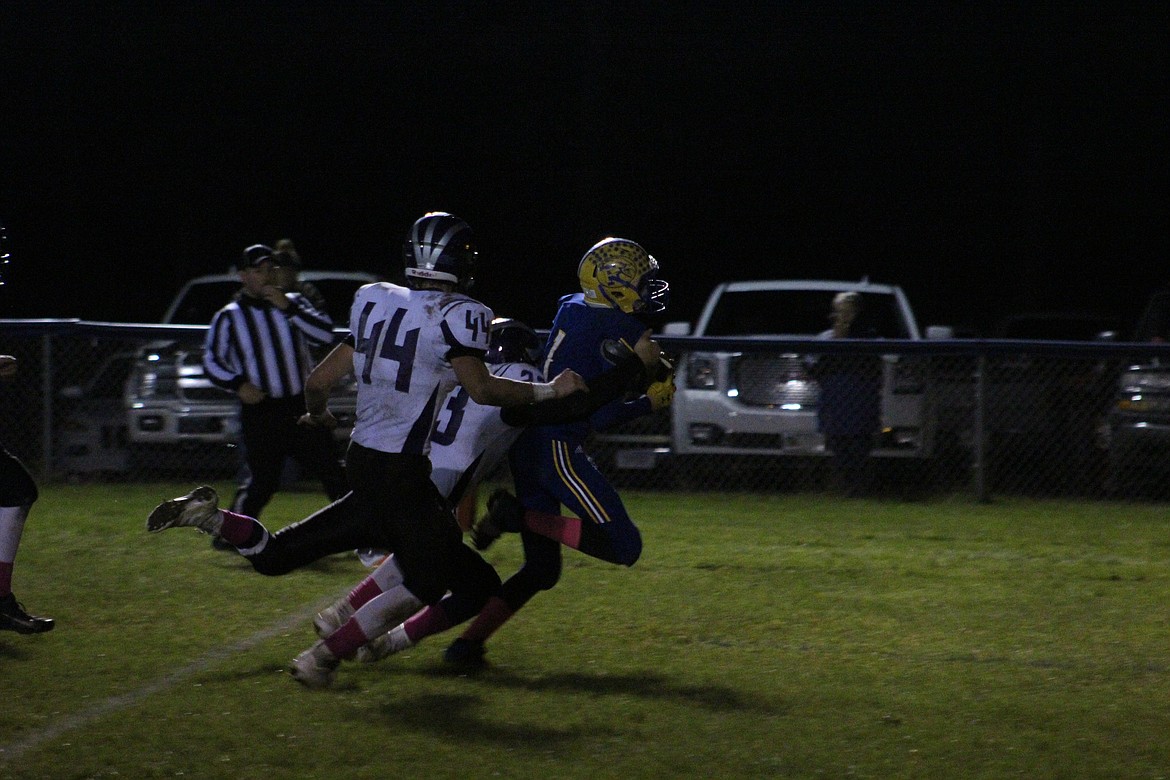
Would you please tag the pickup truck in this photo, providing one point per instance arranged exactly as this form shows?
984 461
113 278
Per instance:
1136 431
765 403
731 403
175 415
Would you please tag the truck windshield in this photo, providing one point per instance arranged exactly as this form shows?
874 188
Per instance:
797 313
201 301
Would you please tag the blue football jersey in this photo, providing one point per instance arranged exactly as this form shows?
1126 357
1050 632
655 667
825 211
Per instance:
576 341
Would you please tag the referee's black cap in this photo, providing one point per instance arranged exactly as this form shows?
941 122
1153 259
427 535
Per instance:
257 254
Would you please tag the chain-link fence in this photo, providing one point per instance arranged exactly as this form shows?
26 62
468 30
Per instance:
97 401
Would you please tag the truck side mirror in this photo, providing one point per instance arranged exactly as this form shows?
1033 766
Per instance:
676 329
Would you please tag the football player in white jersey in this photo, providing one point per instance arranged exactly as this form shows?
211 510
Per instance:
410 347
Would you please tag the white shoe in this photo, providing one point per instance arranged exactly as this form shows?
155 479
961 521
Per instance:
332 618
372 557
393 641
198 509
315 667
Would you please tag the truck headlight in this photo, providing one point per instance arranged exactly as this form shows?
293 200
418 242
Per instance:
156 382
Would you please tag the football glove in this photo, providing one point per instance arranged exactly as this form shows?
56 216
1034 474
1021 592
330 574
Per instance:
661 393
663 370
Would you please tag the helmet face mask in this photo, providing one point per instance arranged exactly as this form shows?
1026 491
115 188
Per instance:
440 247
511 341
619 273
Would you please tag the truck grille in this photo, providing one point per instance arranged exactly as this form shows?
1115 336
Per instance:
773 380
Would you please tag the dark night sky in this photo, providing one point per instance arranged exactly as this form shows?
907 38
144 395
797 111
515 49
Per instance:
991 159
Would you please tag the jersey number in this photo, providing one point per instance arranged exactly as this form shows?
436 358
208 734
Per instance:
390 349
456 404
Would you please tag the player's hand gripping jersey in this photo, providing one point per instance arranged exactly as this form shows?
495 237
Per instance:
403 341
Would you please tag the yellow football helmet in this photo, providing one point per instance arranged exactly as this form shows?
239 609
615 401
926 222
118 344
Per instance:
619 273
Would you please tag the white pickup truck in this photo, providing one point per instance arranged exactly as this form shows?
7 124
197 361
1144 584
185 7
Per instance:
741 402
174 411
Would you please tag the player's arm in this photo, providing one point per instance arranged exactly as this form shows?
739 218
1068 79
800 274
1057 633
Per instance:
490 390
633 368
322 379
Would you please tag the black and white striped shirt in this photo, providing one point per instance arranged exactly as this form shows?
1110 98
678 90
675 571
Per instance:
250 340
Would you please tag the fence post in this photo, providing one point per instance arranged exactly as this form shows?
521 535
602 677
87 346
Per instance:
979 466
46 406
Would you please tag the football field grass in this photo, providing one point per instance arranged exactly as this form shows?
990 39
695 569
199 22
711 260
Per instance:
758 636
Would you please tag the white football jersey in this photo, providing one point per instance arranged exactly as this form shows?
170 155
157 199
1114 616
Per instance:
471 439
401 341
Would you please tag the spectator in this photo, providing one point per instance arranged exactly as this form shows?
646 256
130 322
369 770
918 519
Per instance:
288 273
849 414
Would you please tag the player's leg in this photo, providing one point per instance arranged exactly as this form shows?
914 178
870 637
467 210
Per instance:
418 528
386 576
333 529
18 492
475 581
541 571
314 450
266 446
602 529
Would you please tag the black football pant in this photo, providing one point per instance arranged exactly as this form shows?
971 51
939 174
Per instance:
394 506
271 434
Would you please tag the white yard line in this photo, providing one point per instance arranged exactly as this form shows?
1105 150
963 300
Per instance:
130 698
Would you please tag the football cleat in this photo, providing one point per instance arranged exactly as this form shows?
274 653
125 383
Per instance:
198 509
505 513
466 654
14 618
332 618
393 641
316 667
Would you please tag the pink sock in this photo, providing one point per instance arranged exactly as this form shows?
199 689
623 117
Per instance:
237 529
493 615
345 641
366 591
427 621
566 530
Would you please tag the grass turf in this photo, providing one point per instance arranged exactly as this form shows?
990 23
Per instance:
759 636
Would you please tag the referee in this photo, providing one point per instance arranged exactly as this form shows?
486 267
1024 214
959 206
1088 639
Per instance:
257 347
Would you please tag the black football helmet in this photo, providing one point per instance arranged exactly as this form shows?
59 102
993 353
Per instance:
511 341
440 246
255 254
